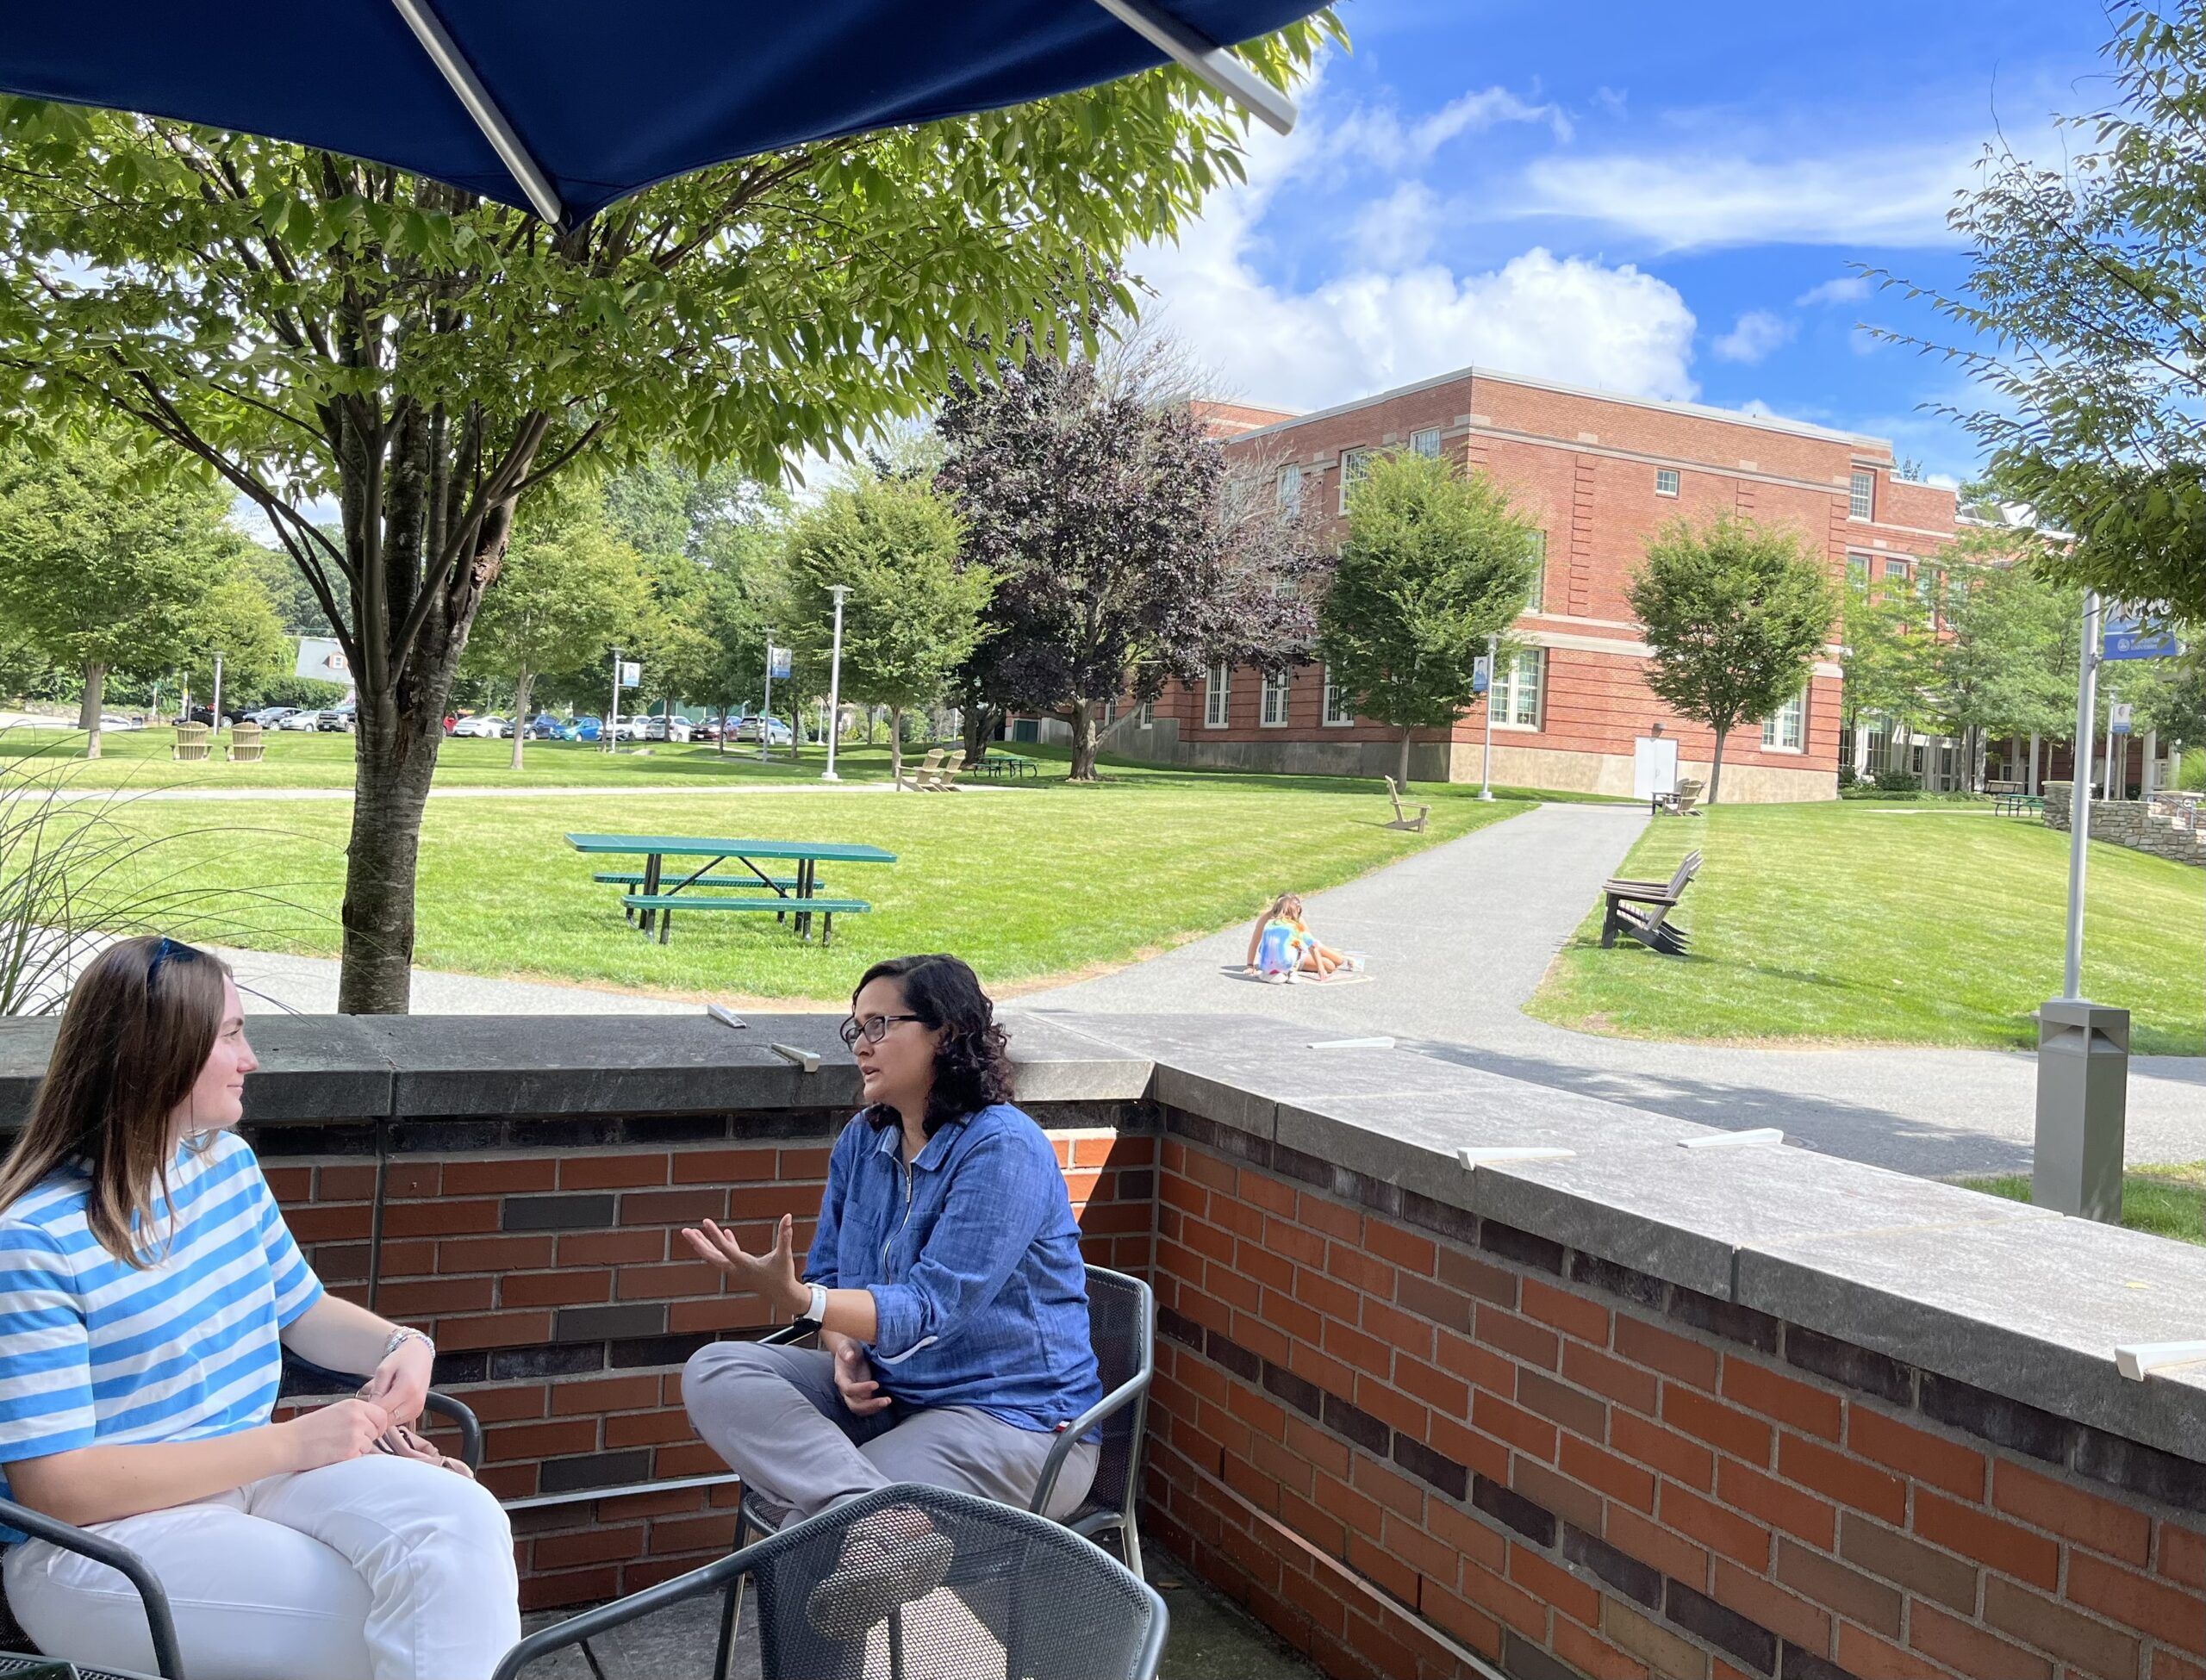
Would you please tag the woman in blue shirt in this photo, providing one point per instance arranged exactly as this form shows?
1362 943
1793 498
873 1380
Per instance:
945 1281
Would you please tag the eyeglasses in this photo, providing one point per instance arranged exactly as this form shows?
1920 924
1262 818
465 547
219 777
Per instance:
168 950
873 1029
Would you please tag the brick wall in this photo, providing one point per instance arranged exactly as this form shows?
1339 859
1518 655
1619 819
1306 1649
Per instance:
1402 1435
558 1288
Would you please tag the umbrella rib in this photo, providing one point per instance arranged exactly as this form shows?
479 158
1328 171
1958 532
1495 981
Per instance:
1208 60
444 54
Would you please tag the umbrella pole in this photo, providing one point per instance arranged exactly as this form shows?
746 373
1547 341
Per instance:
1205 58
429 30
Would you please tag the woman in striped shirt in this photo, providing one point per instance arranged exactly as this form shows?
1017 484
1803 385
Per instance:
145 1281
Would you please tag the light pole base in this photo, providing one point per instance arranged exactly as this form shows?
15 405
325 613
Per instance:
1486 793
2083 1092
829 775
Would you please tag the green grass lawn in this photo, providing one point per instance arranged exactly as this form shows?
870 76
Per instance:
1038 879
2167 1201
1866 922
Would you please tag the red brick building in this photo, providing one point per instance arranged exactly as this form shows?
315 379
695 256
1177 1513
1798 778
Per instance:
1598 474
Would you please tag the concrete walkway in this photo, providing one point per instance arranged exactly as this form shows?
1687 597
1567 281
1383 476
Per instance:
1461 935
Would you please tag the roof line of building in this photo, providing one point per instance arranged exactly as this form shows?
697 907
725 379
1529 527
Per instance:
1731 416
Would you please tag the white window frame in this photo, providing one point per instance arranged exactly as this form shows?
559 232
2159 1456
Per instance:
1334 716
1218 696
1507 693
1861 494
1288 487
1857 569
1145 715
1355 463
1277 690
1671 476
1425 441
1773 730
1905 574
1537 601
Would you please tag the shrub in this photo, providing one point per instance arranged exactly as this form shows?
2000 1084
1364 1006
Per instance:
1898 781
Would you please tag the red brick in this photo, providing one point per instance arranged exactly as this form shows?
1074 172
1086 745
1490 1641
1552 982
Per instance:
1462 1621
1477 1278
503 1405
1330 1218
1395 1491
539 1440
1329 1295
1326 1451
1724 1428
616 1172
1592 1655
714 1532
1791 1618
289 1185
1652 1543
441 1218
1367 1353
1435 1388
1477 1366
412 1181
1283 1237
614 1247
1403 1332
605 1394
2119 1531
1571 1501
1400 1248
330 1224
2167 1665
414 1257
1605 1374
647 1429
1969 1649
1270 1194
1833 1585
592 1545
1513 1605
1556 1587
580 1586
1482 1453
502 1329
725 1166
1671 1355
1465 1534
500 1177
345 1183
1847 1480
553 1289
2085 1643
1778 1503
1212 1170
1519 1338
1361 1270
1573 1314
718 1312
695 1459
427 1295
2138 1601
1617 1477
1871 1658
1273 1271
685 1207
1662 1449
1916 1454
2005 1547
490 1254
2183 1555
1739 1538
1761 1389
1520 1429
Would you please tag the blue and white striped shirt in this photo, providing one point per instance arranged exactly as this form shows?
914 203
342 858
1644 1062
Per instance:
93 1352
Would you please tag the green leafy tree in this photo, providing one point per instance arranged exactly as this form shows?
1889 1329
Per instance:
2081 313
312 325
913 613
563 587
236 619
1732 611
1884 658
102 568
2009 666
1434 562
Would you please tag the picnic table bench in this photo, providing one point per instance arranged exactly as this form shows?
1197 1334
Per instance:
663 891
1650 924
2011 797
1001 764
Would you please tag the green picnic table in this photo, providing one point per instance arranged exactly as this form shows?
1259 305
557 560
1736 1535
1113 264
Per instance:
798 896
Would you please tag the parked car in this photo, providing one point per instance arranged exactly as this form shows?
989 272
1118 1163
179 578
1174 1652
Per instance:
675 729
546 727
709 730
587 729
306 719
747 729
110 721
632 729
268 717
484 726
337 719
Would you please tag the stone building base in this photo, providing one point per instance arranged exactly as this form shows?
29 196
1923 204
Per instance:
1611 773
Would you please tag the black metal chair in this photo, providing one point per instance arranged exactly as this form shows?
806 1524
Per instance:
1122 1329
300 1377
959 1585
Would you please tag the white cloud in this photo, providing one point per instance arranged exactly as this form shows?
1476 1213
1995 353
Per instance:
1379 135
1397 230
1847 288
1753 336
1886 196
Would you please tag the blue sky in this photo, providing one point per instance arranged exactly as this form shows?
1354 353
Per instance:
1664 202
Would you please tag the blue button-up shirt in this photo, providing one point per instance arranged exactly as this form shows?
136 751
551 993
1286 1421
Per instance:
972 1260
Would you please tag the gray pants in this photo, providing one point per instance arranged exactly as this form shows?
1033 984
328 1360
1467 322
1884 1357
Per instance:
774 1415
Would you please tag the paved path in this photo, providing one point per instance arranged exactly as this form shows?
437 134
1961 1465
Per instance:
1461 935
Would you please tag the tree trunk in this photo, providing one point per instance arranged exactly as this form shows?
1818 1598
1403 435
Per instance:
1402 764
521 684
1715 769
395 756
870 713
88 719
979 725
1083 742
720 740
895 743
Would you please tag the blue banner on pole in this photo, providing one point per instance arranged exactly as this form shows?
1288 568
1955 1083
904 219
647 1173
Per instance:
2133 636
777 663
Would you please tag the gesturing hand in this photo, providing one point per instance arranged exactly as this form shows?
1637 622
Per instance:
854 1381
772 1274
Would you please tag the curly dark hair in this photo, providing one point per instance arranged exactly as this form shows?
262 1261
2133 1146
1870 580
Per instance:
972 1065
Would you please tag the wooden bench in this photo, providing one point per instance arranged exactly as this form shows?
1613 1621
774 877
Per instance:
1650 925
1683 802
1413 824
759 904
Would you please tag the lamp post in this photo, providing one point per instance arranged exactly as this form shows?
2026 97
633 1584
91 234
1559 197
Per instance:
835 682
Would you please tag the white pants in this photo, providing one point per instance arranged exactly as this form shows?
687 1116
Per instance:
376 1568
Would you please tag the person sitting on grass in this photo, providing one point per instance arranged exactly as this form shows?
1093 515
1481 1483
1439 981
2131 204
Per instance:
1280 947
946 1285
145 1280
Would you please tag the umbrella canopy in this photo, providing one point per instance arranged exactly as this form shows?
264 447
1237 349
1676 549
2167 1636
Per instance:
568 105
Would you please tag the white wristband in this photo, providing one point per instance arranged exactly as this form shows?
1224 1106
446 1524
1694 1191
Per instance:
405 1334
815 1310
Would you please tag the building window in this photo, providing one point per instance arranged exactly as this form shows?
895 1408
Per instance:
1338 713
1666 480
1290 487
1786 729
1861 496
1110 712
1857 570
1145 714
1355 463
1536 599
1514 697
1426 443
1276 685
1897 570
1216 692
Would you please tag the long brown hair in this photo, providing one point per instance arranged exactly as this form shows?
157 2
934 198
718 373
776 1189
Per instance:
140 1024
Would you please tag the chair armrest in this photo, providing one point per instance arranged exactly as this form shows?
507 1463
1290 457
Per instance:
455 1412
1627 892
1070 1437
120 1558
713 1578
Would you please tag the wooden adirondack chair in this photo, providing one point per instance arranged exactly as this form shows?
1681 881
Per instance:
923 778
945 779
1414 825
1649 926
1683 802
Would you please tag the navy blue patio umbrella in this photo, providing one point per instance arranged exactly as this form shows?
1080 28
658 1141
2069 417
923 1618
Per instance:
565 106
